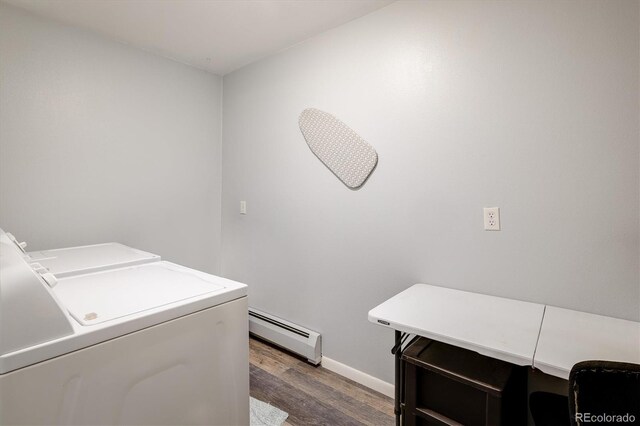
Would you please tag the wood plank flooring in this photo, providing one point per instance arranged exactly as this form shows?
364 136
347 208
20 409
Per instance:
313 395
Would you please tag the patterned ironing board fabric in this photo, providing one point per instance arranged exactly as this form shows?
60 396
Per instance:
343 151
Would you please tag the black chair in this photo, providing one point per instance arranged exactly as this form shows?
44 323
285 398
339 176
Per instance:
606 392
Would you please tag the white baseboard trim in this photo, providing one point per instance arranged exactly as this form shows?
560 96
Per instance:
359 377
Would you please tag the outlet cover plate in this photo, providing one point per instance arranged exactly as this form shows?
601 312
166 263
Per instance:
491 218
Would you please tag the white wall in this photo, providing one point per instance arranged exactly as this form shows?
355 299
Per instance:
531 106
102 142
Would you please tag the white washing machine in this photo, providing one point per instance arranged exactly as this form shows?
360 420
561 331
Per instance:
149 343
65 262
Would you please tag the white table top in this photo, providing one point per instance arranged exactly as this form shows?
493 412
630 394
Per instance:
501 328
568 337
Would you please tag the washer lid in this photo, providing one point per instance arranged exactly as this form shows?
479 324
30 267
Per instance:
107 295
70 261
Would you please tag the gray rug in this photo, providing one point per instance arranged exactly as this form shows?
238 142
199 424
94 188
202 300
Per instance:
263 414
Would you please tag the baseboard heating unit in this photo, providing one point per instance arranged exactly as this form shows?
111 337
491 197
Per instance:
287 335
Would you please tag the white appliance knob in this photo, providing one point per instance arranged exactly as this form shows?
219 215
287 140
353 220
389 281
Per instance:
50 279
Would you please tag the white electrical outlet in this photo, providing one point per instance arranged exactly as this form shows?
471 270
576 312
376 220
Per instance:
243 207
492 218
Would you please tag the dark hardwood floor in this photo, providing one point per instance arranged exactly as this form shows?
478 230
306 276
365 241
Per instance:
313 395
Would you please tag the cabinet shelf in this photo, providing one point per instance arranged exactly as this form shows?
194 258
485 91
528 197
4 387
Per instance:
447 385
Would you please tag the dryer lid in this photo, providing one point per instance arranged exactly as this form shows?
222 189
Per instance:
84 259
103 296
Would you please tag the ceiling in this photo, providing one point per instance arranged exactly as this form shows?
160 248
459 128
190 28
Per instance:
215 35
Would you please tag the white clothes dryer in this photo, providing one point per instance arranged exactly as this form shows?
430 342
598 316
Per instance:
149 343
69 261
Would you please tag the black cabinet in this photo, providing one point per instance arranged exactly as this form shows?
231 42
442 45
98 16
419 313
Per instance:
447 385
